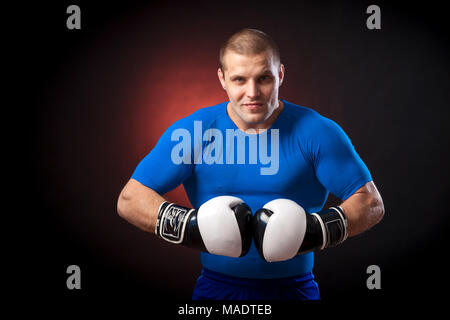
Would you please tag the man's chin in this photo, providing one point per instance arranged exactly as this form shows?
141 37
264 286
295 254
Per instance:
255 120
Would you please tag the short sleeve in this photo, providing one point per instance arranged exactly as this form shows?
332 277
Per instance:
167 165
338 166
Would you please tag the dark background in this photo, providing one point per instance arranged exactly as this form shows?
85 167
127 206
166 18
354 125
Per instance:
93 102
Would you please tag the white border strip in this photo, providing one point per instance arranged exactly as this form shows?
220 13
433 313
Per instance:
324 242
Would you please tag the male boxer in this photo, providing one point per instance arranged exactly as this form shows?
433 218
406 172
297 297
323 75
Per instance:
258 170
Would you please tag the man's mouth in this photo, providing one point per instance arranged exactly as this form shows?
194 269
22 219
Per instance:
253 105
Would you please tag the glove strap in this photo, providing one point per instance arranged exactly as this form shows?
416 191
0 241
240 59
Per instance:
171 222
334 226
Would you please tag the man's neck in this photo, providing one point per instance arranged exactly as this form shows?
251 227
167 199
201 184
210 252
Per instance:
260 127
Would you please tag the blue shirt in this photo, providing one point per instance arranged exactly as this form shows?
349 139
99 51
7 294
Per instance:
303 156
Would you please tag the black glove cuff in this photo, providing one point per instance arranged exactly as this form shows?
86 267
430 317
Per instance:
334 226
324 229
171 222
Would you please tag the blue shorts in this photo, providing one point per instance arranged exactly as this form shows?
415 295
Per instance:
212 285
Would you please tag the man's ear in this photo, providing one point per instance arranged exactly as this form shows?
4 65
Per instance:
281 74
221 77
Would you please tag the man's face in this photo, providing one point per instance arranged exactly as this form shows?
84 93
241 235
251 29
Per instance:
252 84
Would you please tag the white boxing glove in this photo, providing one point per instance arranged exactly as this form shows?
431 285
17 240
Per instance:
282 229
222 225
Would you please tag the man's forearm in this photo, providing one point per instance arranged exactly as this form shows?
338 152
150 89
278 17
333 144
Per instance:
363 209
139 205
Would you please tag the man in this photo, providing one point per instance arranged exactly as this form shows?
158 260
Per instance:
259 217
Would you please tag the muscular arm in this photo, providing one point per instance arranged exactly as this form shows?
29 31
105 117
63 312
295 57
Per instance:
363 209
139 205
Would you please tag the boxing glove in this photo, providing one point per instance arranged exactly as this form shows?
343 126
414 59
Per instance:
282 229
222 225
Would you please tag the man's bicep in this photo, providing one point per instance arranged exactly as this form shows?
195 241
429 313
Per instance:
159 170
160 174
339 167
134 188
368 190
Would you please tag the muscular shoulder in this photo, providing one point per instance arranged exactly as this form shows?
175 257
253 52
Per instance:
306 121
313 131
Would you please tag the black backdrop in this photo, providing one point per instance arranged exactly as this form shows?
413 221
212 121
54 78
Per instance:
94 101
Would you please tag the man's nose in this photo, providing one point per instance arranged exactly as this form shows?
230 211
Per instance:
253 89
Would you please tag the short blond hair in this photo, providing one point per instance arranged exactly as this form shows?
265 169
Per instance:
248 42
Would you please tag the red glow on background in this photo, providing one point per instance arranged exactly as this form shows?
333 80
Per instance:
173 86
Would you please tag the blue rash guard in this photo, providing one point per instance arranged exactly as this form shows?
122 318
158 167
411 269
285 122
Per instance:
303 156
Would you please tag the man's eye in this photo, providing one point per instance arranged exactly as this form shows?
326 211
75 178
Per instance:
264 78
239 79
